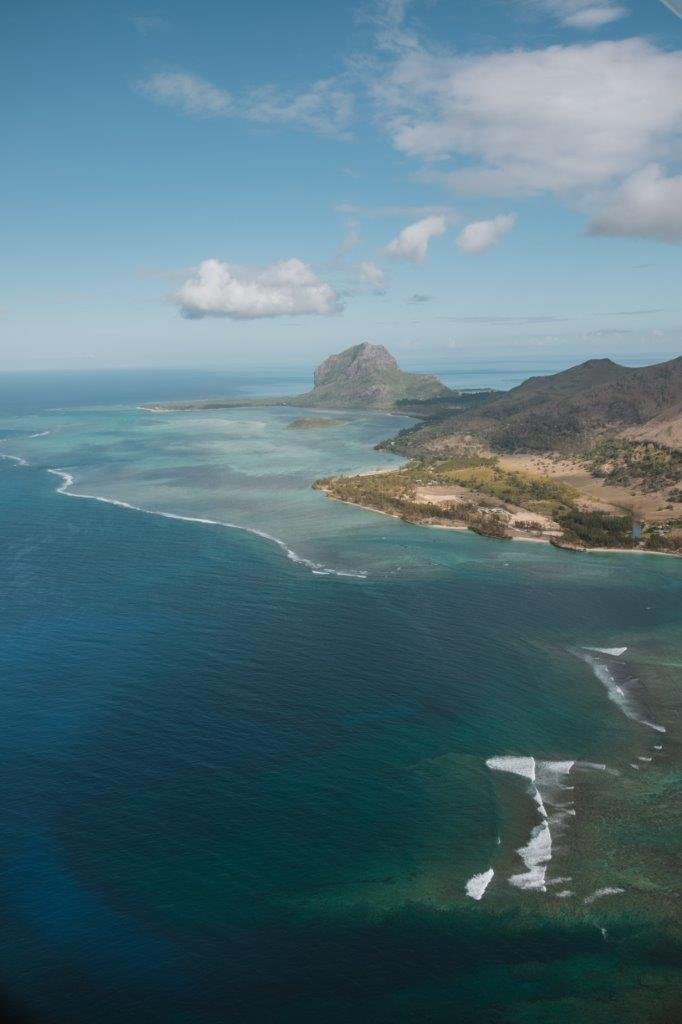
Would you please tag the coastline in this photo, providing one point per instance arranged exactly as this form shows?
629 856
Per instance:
515 537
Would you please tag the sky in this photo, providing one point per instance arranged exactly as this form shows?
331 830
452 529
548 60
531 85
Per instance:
260 184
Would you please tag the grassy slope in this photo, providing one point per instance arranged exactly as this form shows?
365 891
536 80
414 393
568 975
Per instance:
563 412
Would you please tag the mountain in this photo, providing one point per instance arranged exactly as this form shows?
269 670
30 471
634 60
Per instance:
567 411
367 377
361 377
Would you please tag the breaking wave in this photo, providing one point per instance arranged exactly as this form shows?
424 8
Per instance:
608 890
619 690
318 568
477 884
315 567
14 458
546 780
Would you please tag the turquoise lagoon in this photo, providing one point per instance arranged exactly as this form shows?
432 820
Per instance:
317 764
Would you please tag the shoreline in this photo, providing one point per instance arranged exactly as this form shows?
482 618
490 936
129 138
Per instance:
465 528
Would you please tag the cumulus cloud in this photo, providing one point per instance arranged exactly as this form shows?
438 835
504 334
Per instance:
412 242
323 107
481 234
187 93
287 288
647 205
372 275
559 119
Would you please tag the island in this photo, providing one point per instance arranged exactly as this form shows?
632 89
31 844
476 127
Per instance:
586 459
314 423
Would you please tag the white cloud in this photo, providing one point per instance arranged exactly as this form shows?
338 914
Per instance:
372 275
647 205
585 14
413 241
388 20
594 17
324 107
480 235
558 119
187 93
288 288
349 241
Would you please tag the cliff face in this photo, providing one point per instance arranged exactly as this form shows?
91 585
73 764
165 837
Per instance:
355 363
366 377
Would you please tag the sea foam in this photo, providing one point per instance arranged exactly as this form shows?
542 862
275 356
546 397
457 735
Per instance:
598 894
536 856
615 691
477 884
524 766
546 779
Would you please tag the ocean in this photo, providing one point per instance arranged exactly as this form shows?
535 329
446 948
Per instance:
272 758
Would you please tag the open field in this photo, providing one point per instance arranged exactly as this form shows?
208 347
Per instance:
595 493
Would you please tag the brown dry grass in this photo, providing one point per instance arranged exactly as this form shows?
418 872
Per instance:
595 494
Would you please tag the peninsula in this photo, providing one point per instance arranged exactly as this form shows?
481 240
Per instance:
361 377
590 457
587 458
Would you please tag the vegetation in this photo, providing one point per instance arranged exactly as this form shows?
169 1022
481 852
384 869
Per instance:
484 487
597 529
649 466
440 406
396 494
313 423
564 412
485 482
667 538
366 377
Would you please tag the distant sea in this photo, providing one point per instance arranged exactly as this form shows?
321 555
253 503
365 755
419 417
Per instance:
271 758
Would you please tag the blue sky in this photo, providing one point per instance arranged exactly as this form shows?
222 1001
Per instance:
261 184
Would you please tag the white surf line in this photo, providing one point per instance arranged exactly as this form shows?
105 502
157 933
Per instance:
477 884
537 853
598 894
316 567
615 692
14 458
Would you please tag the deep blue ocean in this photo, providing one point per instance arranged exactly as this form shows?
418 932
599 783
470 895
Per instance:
271 758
